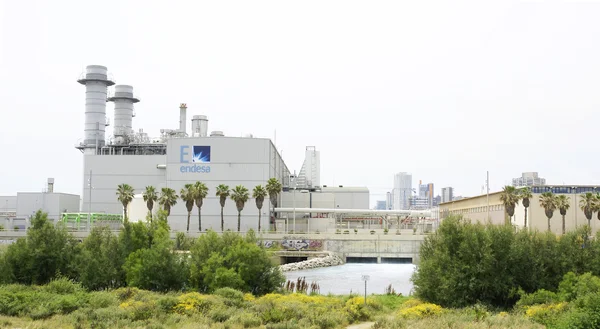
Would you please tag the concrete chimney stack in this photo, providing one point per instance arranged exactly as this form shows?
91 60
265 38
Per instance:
182 116
96 80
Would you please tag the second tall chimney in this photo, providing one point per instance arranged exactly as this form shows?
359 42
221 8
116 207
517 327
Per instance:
182 116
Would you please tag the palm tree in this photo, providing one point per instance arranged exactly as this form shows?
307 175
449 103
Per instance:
274 187
259 193
168 198
525 194
240 195
125 195
563 203
150 197
222 193
510 198
587 203
200 192
187 195
548 202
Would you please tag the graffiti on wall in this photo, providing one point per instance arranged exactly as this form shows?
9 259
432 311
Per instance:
294 244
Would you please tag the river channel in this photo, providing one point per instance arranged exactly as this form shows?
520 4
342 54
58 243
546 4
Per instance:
343 279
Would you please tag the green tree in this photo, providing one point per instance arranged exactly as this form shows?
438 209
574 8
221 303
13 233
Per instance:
587 203
100 262
158 267
168 198
47 251
222 193
230 260
548 202
563 203
259 193
150 197
125 195
510 198
240 196
526 196
200 193
188 196
274 187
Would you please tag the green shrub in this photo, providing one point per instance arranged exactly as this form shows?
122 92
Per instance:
541 296
465 263
102 299
232 297
246 319
574 286
62 286
167 303
220 314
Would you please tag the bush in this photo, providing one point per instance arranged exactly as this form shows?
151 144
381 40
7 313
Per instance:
541 296
546 313
232 297
229 260
465 263
421 311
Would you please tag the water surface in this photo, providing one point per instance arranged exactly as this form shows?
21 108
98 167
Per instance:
343 279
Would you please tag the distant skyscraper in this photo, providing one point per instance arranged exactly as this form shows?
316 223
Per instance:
380 205
426 192
389 201
437 200
528 179
402 190
447 194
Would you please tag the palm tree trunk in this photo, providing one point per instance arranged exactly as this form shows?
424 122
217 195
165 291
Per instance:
150 215
199 220
188 222
125 218
526 217
239 220
563 224
258 220
549 225
222 221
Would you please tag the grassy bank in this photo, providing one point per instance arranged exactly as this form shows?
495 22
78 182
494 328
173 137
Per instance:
64 304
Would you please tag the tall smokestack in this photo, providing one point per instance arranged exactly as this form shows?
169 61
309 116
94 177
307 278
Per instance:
124 100
96 81
182 116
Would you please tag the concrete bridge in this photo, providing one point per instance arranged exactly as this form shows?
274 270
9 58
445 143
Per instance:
362 247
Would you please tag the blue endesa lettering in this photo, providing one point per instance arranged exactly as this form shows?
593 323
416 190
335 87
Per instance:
193 168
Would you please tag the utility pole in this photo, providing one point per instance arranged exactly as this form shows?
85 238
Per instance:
89 221
487 187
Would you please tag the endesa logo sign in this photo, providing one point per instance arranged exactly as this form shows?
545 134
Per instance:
194 159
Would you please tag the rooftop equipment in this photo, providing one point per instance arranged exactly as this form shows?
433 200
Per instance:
217 133
199 126
50 185
96 81
124 100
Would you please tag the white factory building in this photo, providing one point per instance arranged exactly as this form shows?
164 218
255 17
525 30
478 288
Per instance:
179 157
16 210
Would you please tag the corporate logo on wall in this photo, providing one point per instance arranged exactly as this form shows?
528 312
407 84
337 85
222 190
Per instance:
199 156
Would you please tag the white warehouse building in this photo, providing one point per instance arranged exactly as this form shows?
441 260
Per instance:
178 158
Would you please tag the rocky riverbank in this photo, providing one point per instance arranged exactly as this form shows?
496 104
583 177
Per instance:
331 260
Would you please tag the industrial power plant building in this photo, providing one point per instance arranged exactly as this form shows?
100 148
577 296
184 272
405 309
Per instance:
179 157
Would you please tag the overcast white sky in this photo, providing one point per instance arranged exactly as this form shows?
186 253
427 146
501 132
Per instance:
445 90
